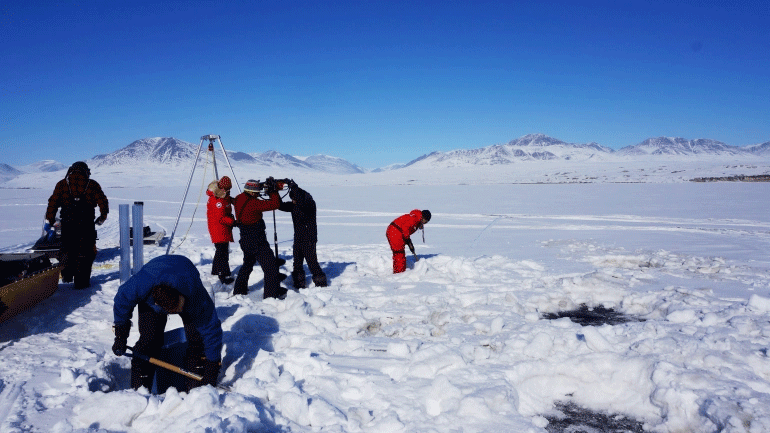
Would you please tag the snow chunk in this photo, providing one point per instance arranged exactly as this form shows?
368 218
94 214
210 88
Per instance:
682 316
759 303
113 411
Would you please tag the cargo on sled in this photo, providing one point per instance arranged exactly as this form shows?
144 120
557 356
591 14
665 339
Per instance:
26 279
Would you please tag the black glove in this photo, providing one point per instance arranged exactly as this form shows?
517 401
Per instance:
121 339
211 372
292 184
99 221
271 185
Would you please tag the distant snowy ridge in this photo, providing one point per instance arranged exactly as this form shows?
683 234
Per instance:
166 151
388 168
171 151
152 150
333 164
760 149
540 147
531 147
683 147
45 166
7 172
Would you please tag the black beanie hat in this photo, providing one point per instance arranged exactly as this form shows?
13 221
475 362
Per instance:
426 215
80 167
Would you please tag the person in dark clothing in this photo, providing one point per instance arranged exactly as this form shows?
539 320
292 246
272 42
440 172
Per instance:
219 214
303 215
166 285
253 241
77 195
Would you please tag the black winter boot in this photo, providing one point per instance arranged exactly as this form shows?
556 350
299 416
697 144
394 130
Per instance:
320 280
142 375
298 279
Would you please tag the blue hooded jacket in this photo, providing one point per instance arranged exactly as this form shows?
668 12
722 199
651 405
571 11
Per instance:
180 273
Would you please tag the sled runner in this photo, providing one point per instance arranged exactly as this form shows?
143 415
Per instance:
27 279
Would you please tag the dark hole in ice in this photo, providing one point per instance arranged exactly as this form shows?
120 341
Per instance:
593 316
571 418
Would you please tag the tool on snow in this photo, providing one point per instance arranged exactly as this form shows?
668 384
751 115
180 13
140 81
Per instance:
170 367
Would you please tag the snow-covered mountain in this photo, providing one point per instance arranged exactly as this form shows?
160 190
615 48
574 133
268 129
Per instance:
681 147
534 147
7 172
531 147
45 166
149 150
332 164
171 151
760 149
274 158
388 168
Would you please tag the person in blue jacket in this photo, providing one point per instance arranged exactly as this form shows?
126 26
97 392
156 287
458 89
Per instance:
169 284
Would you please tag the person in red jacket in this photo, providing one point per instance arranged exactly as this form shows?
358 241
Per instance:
399 232
248 211
219 213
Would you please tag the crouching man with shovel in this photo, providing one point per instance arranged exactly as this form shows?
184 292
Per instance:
166 285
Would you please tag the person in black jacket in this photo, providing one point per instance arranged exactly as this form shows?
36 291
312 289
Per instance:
303 215
77 195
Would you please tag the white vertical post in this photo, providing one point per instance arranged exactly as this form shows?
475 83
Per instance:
138 211
125 249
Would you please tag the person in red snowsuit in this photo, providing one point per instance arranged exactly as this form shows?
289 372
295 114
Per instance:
248 210
399 232
219 212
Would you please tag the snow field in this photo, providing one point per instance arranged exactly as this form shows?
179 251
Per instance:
456 343
467 347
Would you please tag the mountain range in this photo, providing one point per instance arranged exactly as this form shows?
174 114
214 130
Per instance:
540 147
170 151
531 147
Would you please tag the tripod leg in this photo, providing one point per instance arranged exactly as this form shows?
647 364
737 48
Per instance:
197 155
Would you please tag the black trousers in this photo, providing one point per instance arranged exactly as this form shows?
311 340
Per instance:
256 249
221 263
77 254
151 329
306 251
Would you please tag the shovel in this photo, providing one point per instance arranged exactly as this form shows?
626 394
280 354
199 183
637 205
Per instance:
171 367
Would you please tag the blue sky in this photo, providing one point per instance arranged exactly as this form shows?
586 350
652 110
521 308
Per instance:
378 82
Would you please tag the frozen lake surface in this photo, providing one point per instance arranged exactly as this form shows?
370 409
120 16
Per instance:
459 342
